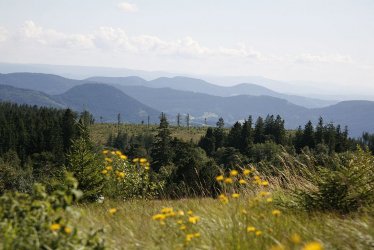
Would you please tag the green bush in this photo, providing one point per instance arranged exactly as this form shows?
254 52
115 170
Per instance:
41 221
347 187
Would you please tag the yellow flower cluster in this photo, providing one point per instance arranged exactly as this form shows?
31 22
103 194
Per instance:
182 221
111 157
142 162
56 227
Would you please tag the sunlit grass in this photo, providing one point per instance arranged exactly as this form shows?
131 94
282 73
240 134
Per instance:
225 226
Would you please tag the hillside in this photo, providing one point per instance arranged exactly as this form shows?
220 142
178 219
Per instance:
49 84
106 102
201 86
26 96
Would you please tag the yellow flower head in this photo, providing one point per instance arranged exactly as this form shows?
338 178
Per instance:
180 212
142 160
269 199
118 152
182 227
189 212
265 183
104 171
263 193
167 210
121 174
193 219
112 211
135 160
241 181
258 233
235 195
105 152
55 227
234 172
276 212
196 235
228 181
109 168
189 237
158 217
123 157
219 178
223 198
67 230
246 172
313 246
295 238
251 229
108 159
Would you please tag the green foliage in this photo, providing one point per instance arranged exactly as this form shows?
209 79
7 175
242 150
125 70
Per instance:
85 166
43 221
347 187
127 180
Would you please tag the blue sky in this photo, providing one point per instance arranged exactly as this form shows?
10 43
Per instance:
315 40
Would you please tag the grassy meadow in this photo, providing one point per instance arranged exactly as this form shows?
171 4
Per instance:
226 226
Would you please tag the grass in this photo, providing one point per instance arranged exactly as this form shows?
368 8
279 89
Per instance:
100 132
224 226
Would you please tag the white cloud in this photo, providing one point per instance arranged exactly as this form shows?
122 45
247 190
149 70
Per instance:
49 37
335 58
3 34
128 7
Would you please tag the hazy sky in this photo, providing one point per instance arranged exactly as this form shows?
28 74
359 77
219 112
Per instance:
314 40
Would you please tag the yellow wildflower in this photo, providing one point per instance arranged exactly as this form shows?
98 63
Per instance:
223 198
55 227
123 157
135 160
180 212
112 211
246 172
189 237
108 159
256 177
313 246
193 219
295 238
228 180
179 221
167 210
251 229
105 152
182 227
104 171
219 178
121 174
263 193
158 217
118 152
235 195
234 172
109 168
269 199
67 230
241 181
189 212
258 233
276 212
196 235
264 183
142 160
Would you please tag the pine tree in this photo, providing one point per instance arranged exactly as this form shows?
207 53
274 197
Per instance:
308 136
259 131
246 136
208 142
162 152
219 133
234 136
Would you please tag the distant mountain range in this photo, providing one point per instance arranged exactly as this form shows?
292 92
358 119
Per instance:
136 99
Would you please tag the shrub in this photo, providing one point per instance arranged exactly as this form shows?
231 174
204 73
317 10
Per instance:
41 221
347 187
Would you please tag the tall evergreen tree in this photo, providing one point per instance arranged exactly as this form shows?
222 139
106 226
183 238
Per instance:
162 152
259 131
208 142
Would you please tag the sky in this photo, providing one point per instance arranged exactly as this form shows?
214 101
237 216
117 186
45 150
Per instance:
326 41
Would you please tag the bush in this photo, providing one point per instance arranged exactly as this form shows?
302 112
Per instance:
41 221
347 187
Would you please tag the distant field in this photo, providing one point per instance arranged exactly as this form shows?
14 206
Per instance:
101 131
